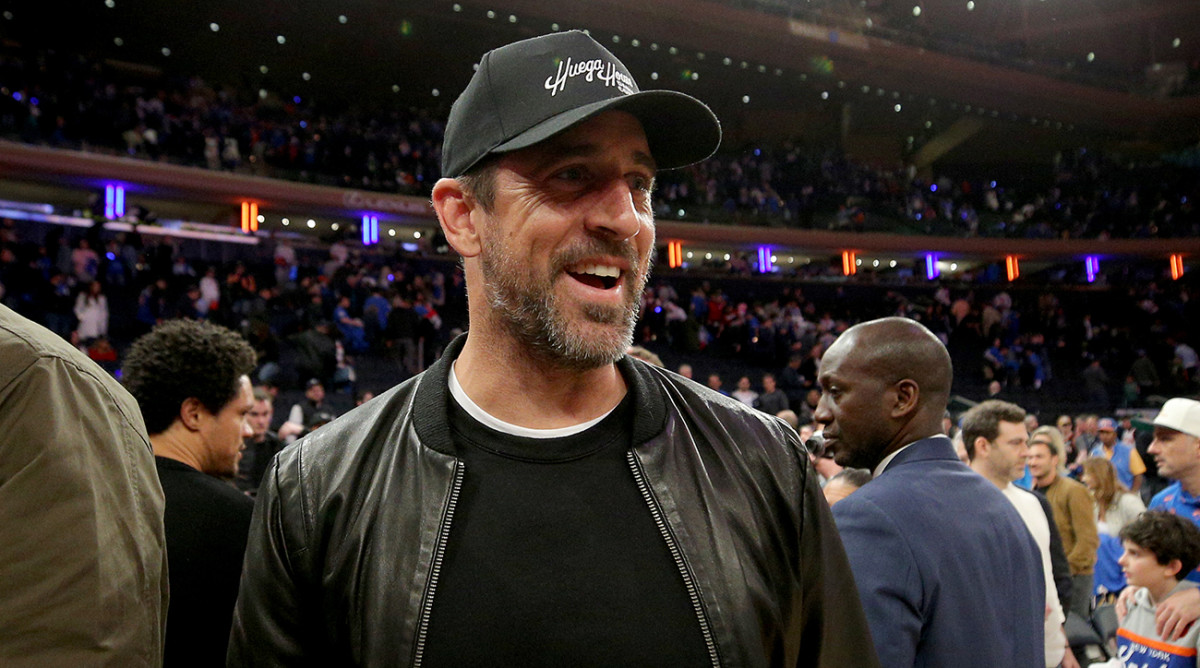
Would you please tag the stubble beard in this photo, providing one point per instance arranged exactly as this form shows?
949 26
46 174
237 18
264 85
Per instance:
535 316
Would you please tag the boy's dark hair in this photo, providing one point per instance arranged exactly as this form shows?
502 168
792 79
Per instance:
182 359
1168 536
984 418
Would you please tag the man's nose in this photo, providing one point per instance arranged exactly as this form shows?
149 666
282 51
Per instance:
616 213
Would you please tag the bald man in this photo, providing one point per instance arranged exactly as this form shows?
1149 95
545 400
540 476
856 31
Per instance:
946 569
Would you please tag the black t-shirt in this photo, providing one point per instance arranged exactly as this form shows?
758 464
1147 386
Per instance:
207 521
554 559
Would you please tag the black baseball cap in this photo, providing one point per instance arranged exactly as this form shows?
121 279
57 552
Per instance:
528 91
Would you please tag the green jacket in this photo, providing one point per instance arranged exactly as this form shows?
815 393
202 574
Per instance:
83 569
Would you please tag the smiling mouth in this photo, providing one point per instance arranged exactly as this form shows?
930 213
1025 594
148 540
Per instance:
599 276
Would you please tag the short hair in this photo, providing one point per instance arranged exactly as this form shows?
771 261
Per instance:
1051 434
644 355
768 375
183 359
983 419
853 477
480 182
261 394
1168 537
789 417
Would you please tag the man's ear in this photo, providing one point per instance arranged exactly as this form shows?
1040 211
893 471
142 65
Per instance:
981 446
458 213
907 396
189 413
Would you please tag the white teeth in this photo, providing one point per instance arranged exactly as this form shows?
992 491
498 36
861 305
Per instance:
598 270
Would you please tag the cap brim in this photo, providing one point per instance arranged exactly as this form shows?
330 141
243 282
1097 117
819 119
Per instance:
680 130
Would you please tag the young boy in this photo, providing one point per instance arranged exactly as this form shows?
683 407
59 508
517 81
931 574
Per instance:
1160 548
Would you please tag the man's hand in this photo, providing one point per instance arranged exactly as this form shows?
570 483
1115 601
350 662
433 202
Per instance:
1174 615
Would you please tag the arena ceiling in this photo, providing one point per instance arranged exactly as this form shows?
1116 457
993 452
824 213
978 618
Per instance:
874 69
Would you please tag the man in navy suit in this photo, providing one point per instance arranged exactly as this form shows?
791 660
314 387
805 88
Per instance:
946 569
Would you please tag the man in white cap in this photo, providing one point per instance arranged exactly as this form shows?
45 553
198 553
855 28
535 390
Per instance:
537 497
1176 450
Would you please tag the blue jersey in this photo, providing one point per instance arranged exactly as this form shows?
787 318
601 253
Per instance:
1138 651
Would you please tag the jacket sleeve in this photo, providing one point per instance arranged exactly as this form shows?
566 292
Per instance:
1058 556
887 576
832 613
82 550
1083 523
269 619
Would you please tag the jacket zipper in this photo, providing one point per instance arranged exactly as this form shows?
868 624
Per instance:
689 581
439 553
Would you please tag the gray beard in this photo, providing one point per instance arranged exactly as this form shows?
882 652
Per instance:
529 309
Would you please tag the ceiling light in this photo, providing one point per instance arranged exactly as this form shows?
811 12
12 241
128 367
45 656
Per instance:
392 232
311 223
166 51
281 39
342 19
214 27
286 222
306 76
917 10
263 69
118 41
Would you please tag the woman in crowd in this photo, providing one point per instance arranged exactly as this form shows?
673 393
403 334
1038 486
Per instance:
1116 506
91 307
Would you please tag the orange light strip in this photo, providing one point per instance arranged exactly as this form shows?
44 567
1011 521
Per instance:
675 254
849 263
249 217
1014 267
1176 266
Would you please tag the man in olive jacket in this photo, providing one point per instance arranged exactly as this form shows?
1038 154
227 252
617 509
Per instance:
83 571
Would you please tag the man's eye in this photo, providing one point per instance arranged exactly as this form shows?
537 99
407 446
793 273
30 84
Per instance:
571 174
641 183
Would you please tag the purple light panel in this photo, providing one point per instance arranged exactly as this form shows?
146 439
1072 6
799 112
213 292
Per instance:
931 268
370 230
765 266
114 201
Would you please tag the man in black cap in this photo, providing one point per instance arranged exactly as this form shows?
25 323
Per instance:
538 498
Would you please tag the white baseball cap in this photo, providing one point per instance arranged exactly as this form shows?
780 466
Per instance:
1180 414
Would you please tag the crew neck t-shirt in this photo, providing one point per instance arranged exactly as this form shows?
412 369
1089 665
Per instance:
553 557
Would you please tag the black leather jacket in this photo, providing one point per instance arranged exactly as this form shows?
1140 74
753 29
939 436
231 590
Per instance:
347 537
